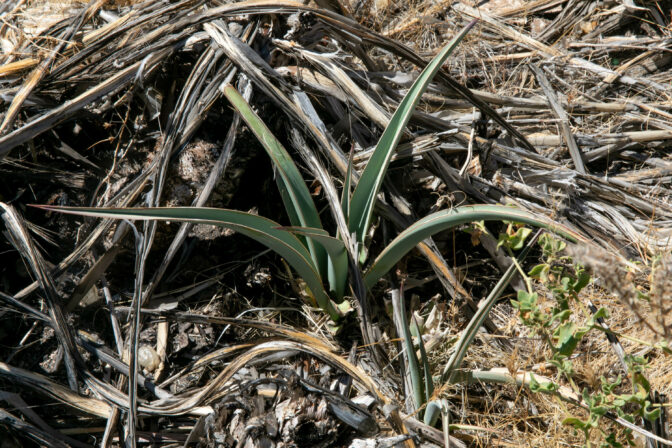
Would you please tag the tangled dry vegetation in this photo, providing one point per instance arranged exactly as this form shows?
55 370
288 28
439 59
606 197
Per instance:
120 332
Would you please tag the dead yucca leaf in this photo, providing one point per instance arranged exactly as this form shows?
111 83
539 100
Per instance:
24 244
56 391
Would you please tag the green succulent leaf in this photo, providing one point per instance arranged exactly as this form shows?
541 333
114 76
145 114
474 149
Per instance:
649 413
293 190
550 245
263 230
432 412
526 301
338 266
447 219
364 196
428 382
592 321
611 441
418 391
561 316
608 387
563 364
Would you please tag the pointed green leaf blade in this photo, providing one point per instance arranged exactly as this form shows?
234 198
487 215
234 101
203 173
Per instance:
338 257
413 367
429 383
263 230
446 219
484 307
364 196
293 190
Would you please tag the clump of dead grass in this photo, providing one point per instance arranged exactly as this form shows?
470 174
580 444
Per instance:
618 115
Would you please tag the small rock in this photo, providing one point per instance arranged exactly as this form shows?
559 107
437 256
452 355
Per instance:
148 358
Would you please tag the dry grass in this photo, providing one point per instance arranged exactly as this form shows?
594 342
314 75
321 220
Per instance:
99 98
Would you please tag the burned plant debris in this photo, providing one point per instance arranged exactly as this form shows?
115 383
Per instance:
303 316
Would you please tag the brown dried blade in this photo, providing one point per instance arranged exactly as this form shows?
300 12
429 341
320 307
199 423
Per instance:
574 150
140 19
200 200
358 289
56 391
549 51
120 366
36 76
63 112
181 121
37 435
268 81
23 243
196 115
19 404
345 29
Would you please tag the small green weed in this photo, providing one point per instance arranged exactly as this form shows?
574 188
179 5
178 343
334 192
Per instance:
557 326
